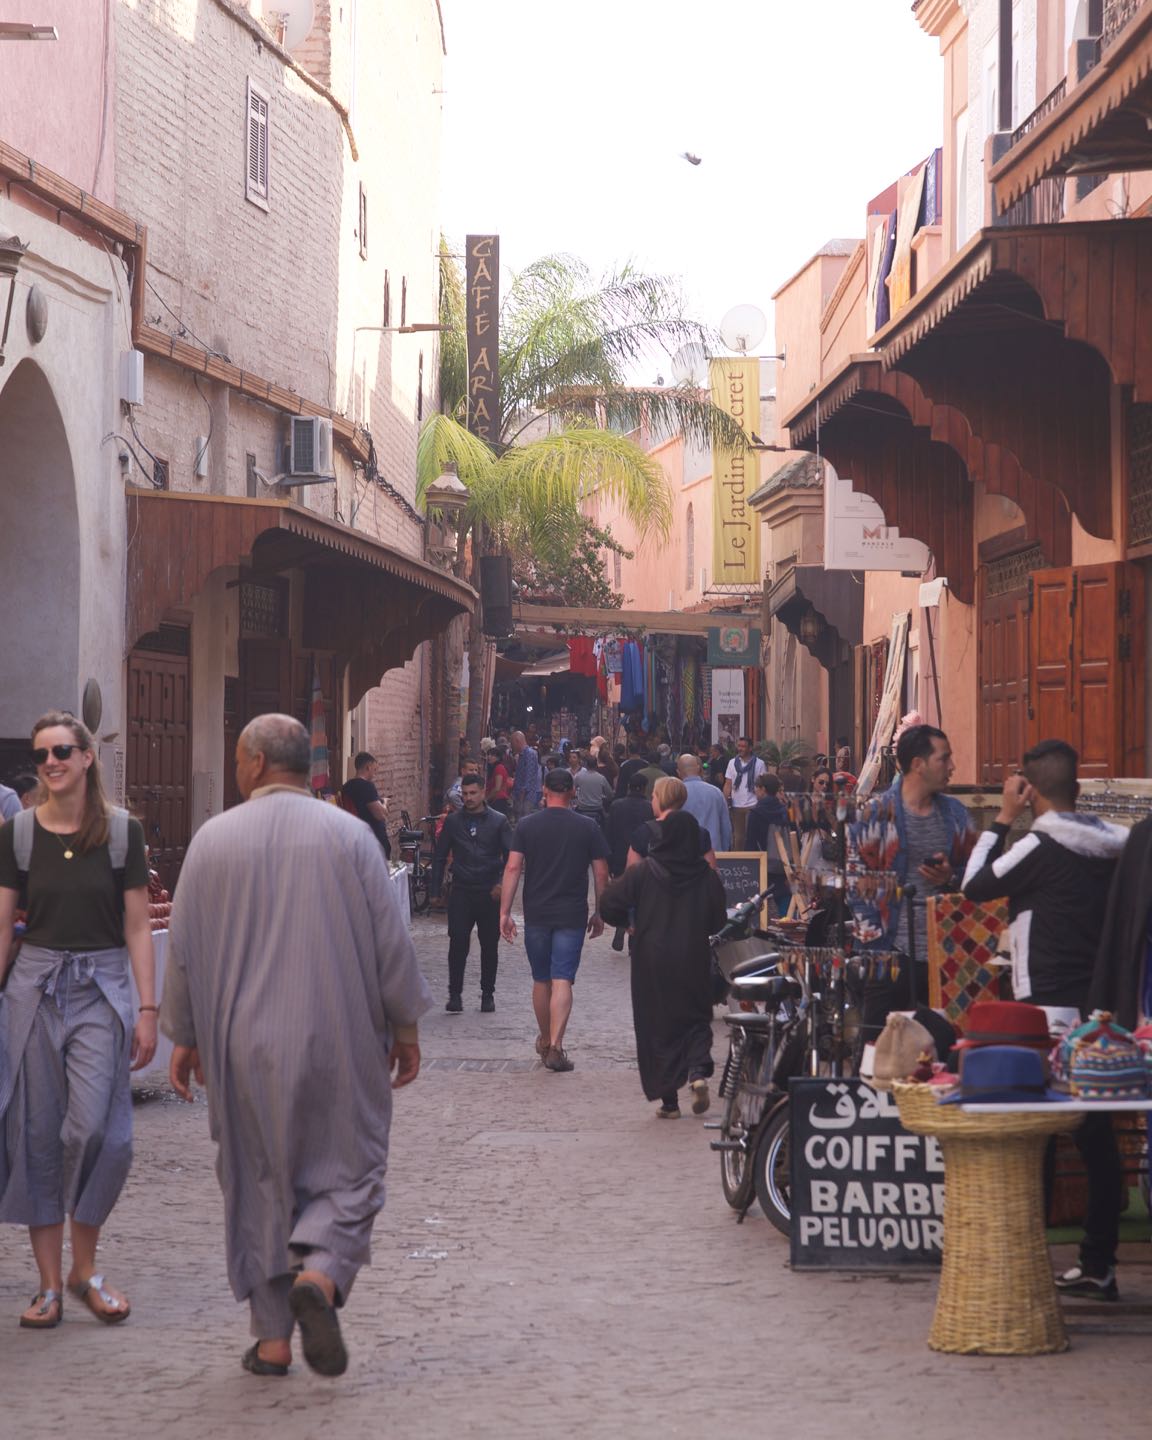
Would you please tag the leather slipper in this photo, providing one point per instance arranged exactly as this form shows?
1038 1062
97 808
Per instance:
252 1362
320 1338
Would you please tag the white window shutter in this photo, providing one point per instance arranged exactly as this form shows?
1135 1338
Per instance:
256 146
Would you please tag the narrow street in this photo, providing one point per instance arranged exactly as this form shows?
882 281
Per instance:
552 1261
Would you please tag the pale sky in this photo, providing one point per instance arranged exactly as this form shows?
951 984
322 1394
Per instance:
564 120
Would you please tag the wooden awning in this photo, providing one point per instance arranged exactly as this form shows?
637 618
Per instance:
1101 125
863 395
366 601
1013 348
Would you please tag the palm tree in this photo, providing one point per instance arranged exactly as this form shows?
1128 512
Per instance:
568 346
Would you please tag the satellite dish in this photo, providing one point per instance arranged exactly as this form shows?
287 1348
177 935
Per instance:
743 328
299 17
690 363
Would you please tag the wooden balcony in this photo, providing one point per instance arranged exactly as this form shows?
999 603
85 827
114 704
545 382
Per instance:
1097 127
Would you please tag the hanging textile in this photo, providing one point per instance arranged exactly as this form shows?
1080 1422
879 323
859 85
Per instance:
601 649
631 678
319 777
689 681
581 660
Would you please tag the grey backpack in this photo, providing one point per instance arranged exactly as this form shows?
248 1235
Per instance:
24 831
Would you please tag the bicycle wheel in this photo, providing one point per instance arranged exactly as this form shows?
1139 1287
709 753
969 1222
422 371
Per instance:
418 889
771 1168
742 1112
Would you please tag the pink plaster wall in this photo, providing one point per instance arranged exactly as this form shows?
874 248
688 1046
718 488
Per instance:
657 577
800 303
56 96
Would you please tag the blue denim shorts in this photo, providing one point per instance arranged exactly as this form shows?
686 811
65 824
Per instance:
553 952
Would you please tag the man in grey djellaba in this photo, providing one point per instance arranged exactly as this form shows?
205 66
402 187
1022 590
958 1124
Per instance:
292 994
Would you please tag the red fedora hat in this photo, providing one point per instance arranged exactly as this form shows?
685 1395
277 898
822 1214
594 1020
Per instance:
1005 1022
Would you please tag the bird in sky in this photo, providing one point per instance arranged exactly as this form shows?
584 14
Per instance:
692 159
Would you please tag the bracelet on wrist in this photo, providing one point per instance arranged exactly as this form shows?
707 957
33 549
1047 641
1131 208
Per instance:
154 1008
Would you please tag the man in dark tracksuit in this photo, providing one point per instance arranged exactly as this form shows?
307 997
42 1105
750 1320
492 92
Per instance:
478 840
1056 880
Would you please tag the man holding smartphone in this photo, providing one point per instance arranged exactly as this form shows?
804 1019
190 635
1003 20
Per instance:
936 836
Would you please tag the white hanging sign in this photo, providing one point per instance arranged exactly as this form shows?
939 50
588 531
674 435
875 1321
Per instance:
857 536
727 706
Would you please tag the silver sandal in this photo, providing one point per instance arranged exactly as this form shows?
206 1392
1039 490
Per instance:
115 1311
40 1321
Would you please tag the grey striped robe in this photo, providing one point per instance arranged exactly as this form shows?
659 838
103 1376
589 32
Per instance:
289 967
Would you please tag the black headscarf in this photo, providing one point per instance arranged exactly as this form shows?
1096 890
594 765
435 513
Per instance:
676 848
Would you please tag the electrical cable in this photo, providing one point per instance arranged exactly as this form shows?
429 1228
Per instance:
185 328
158 466
115 435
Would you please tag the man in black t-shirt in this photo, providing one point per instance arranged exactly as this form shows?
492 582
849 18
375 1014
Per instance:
553 850
360 796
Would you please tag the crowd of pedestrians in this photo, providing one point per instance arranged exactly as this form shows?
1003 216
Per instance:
299 1061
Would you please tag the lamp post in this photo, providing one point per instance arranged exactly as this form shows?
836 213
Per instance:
12 251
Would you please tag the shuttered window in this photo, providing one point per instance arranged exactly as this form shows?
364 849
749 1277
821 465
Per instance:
256 173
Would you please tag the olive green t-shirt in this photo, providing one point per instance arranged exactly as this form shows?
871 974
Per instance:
73 904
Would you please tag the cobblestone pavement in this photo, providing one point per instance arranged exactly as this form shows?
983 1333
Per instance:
552 1261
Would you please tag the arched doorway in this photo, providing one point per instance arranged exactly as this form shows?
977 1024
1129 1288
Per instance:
39 561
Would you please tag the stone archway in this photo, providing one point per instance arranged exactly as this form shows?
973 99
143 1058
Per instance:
39 560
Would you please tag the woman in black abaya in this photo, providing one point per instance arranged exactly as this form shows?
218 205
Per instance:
674 900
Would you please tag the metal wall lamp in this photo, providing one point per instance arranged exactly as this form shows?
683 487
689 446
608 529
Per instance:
12 251
18 30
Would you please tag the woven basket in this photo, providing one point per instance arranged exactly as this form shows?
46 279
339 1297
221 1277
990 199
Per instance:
996 1291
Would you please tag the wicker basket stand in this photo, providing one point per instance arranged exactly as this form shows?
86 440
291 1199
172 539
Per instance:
997 1295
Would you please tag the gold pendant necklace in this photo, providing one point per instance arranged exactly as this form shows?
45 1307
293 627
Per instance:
68 852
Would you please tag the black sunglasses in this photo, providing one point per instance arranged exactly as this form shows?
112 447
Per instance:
61 752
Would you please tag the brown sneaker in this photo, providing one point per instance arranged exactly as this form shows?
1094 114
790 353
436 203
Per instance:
700 1097
557 1059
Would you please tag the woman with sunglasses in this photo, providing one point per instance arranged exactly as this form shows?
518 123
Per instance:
67 1034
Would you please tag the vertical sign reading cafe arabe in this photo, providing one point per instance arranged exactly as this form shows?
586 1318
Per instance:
735 384
482 275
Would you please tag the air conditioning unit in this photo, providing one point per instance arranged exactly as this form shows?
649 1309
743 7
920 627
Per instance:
310 446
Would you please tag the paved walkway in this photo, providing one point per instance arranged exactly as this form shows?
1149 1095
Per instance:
553 1261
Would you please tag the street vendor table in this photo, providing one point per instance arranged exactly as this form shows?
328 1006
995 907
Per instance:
997 1295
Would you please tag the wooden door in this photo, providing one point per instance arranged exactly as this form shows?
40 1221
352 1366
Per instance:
1096 685
1003 682
158 754
265 679
1051 712
1086 633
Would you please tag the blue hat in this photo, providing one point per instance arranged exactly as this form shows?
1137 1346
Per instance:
1002 1075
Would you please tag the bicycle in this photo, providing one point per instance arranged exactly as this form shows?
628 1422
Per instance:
755 1038
827 1041
410 844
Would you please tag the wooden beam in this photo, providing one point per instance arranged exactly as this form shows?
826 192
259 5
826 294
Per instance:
658 622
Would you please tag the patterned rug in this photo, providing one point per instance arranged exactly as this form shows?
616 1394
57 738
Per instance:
963 938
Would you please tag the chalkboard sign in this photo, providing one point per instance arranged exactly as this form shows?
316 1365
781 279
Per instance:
866 1195
744 873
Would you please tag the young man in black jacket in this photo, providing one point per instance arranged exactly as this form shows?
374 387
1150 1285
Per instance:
1056 881
478 840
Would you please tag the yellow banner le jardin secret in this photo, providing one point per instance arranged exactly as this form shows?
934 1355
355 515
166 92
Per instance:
735 475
